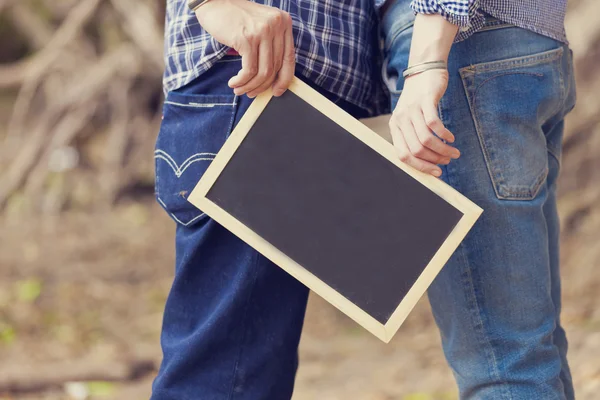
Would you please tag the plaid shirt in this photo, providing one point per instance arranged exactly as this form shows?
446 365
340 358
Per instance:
337 40
336 45
546 17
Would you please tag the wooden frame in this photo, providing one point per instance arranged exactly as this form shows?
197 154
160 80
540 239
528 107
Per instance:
385 331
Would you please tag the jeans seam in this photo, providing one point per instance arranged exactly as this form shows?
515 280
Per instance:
239 356
495 25
470 287
396 33
555 156
561 103
475 311
387 80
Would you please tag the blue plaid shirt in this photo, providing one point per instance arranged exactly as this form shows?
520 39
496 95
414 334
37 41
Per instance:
337 40
546 17
336 45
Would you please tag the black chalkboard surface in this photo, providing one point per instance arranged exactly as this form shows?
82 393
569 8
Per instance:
326 199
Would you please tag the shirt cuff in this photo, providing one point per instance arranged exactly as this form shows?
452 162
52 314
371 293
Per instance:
463 13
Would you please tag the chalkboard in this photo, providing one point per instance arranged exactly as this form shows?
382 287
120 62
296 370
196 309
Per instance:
327 199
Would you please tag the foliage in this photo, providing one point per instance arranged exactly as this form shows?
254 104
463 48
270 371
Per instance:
83 82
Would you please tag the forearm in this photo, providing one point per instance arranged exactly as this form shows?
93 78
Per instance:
432 39
419 135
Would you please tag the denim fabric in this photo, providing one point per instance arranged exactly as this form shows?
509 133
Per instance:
497 302
232 320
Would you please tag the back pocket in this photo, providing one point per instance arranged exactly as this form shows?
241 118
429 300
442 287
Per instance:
510 101
193 130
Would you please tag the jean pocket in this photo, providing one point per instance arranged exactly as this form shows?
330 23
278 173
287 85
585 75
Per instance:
193 130
510 100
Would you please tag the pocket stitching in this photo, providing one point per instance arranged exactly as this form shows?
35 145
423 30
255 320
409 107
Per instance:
477 129
179 169
232 120
519 191
497 176
524 61
177 219
498 179
198 105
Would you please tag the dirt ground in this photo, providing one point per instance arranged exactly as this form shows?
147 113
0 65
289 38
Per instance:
82 293
81 297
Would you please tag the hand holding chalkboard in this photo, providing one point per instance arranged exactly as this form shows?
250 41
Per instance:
326 199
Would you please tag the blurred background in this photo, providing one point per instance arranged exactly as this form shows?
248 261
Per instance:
86 256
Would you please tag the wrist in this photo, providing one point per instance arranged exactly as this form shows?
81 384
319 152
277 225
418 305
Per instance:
432 51
195 5
207 5
432 39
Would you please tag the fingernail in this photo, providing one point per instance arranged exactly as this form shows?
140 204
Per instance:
277 92
251 96
456 154
437 172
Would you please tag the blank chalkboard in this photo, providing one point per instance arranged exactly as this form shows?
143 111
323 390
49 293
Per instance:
327 200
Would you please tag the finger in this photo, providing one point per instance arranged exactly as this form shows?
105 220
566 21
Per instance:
249 66
265 69
278 43
286 73
405 155
435 124
430 141
423 166
416 147
278 49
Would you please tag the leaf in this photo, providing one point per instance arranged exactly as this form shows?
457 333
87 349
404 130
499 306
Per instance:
100 388
29 290
7 334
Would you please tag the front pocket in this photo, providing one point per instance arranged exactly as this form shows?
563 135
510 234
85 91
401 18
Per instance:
193 130
510 100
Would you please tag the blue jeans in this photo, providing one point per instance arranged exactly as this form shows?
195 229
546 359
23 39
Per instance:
232 320
497 302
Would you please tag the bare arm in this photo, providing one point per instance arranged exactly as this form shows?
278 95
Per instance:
415 119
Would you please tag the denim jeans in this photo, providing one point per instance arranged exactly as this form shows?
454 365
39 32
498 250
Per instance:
232 320
497 302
